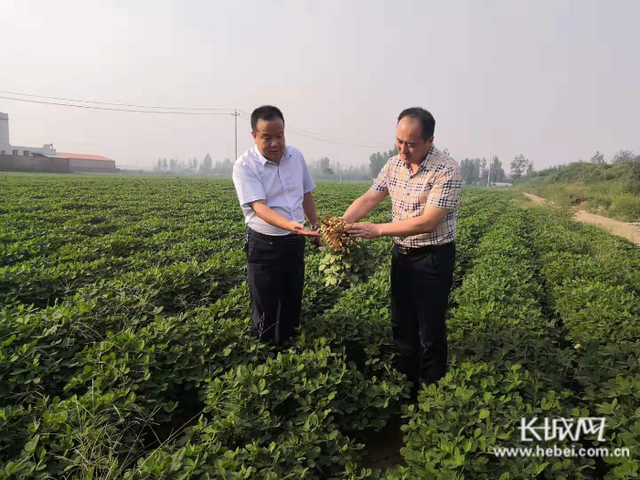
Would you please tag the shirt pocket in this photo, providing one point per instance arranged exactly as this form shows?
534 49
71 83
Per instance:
296 187
293 184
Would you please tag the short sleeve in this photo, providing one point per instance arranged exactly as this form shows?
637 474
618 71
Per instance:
446 189
380 183
307 180
248 187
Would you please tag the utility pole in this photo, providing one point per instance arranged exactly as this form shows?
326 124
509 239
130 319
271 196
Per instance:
235 114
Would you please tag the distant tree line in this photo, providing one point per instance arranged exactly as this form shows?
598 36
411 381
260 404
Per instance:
323 169
480 171
621 159
474 170
378 159
194 166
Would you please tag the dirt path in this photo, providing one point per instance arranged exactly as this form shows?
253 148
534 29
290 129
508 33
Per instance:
384 447
622 229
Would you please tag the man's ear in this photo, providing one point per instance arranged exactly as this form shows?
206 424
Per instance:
254 134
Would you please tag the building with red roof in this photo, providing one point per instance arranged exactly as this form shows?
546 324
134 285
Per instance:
88 163
46 158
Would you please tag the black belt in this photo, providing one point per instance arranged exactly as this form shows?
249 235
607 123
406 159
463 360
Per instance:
291 237
420 250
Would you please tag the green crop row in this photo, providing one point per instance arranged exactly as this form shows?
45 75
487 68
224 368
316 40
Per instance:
591 280
505 317
597 298
125 345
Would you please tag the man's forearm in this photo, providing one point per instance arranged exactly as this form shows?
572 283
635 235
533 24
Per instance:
407 228
358 209
271 216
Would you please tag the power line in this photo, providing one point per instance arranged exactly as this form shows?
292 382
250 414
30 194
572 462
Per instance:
157 110
322 137
127 110
136 105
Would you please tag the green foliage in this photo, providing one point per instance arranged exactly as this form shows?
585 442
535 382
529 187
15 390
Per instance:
125 345
347 269
636 171
611 190
475 409
521 166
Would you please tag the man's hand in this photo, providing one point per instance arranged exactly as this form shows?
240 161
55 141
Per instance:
298 228
364 230
316 241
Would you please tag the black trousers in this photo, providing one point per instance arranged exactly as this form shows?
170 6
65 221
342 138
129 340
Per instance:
276 277
420 286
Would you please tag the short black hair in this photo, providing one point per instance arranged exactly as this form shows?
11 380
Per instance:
427 122
265 112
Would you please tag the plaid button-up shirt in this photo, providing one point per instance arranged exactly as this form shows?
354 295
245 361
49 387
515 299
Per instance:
437 182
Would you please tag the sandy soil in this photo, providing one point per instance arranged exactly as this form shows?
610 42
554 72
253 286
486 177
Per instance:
622 229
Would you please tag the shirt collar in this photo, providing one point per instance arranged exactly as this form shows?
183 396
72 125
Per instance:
432 155
264 159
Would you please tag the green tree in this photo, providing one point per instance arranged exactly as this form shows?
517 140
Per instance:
482 168
598 159
473 170
497 172
469 170
378 159
207 165
325 166
623 156
227 166
530 170
519 166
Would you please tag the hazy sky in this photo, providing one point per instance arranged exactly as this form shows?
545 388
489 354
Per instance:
554 80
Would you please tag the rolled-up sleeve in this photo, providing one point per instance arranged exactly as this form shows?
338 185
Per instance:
380 183
248 187
446 189
308 184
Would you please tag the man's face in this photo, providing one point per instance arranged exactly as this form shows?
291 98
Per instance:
412 147
269 137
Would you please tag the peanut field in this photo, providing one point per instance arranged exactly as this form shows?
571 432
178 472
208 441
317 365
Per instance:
126 353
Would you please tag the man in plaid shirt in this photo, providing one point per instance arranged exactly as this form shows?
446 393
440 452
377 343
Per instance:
424 185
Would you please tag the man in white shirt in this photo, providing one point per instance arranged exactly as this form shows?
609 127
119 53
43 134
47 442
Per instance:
274 189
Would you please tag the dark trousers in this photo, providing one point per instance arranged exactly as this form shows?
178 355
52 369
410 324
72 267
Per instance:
276 277
420 286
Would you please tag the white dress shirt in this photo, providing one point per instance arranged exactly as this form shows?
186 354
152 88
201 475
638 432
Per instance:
282 186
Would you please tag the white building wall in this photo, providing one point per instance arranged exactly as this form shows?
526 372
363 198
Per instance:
4 131
21 150
5 144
